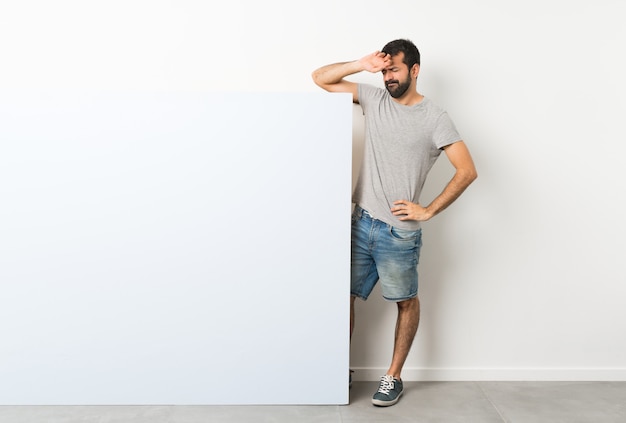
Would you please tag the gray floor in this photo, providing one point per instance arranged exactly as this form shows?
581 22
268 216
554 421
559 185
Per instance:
447 402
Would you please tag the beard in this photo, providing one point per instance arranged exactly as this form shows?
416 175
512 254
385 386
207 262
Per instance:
399 90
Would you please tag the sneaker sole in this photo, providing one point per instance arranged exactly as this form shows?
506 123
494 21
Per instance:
381 403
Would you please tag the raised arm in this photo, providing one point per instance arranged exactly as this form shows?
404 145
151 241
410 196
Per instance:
331 77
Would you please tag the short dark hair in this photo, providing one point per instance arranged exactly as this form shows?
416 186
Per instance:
411 53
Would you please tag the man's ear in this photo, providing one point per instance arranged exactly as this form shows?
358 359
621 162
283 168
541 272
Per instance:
415 70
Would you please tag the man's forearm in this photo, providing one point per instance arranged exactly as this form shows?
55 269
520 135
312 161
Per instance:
334 73
331 77
461 180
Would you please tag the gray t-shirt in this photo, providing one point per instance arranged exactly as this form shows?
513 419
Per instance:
401 145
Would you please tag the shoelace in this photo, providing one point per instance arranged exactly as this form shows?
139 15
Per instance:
386 384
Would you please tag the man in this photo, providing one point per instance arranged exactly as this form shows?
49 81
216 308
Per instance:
404 134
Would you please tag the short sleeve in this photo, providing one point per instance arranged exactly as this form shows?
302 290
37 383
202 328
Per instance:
445 132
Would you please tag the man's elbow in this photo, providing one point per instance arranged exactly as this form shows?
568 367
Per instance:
469 175
473 175
321 79
315 75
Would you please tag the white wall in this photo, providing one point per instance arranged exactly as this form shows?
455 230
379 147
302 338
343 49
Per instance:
521 278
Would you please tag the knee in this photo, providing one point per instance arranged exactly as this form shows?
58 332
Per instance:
409 305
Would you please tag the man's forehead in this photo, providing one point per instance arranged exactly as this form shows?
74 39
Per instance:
396 60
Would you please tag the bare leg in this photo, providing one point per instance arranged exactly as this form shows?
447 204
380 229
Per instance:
406 328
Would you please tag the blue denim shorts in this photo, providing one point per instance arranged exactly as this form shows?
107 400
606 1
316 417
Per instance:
381 252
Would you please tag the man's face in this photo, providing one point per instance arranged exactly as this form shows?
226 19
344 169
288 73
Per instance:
397 76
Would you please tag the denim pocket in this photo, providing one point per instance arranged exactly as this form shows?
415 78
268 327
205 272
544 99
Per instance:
404 234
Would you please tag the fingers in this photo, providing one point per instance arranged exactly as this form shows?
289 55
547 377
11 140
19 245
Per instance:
405 210
384 58
400 205
401 208
379 60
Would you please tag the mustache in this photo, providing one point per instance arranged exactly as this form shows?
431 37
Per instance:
392 81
